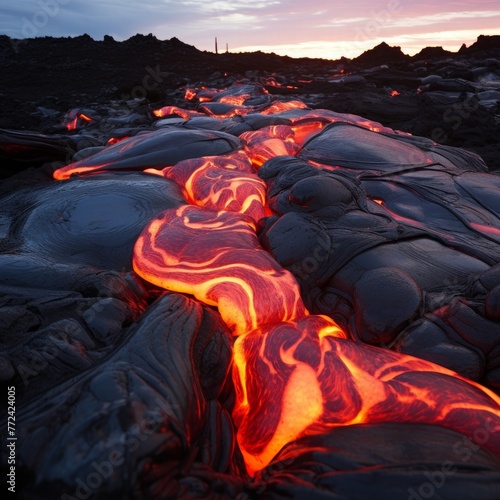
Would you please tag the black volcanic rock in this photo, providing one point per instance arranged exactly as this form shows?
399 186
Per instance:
381 54
483 43
138 38
433 53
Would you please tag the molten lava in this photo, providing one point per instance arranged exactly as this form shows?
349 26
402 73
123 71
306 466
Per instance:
266 143
278 107
221 183
187 114
237 100
301 378
73 118
189 94
216 257
116 140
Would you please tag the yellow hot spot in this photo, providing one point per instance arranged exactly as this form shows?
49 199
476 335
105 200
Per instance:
240 363
66 172
332 330
371 390
301 406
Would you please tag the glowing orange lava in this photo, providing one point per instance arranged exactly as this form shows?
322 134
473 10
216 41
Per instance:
174 110
271 82
216 257
115 140
222 183
189 94
89 165
301 378
269 142
73 123
278 107
237 100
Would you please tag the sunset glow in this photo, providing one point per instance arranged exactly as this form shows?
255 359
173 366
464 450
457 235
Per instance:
320 29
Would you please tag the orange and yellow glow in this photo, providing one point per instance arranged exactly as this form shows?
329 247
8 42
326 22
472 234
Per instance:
216 257
91 166
187 114
294 381
269 142
222 183
189 94
115 140
278 107
73 123
237 100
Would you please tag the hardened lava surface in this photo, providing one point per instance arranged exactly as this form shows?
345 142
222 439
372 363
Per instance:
251 299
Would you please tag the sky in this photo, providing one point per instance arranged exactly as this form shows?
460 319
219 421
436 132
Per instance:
298 28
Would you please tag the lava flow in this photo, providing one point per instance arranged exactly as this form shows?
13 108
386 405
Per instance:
221 183
276 140
301 378
73 118
295 374
216 257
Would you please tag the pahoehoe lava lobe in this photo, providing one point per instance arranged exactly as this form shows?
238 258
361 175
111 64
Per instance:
157 149
216 257
293 379
363 461
394 237
140 413
86 221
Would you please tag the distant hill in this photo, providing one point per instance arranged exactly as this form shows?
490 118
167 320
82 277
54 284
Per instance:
381 54
484 43
384 53
433 53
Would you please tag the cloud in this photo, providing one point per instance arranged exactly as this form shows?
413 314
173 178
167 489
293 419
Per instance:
232 21
295 27
411 44
218 6
442 17
335 23
75 17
